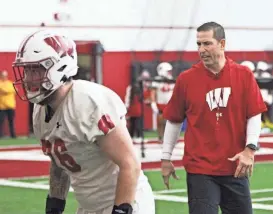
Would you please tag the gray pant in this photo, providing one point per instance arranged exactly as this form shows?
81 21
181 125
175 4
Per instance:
207 193
9 113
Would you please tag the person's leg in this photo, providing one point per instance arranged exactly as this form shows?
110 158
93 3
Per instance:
203 194
10 115
2 119
132 126
138 127
235 195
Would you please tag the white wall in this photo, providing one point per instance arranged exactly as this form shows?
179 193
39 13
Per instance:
99 20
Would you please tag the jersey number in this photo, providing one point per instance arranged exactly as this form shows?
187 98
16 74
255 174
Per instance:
166 88
59 150
105 124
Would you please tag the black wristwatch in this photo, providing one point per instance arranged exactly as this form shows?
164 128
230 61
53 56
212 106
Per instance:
252 147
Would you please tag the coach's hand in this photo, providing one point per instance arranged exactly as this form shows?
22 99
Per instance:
246 163
167 170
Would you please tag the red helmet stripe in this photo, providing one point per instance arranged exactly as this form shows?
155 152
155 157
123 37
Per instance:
61 46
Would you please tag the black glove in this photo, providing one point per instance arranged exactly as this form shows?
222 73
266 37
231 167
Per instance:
122 208
54 205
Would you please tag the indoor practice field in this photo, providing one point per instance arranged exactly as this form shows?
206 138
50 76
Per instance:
24 181
73 71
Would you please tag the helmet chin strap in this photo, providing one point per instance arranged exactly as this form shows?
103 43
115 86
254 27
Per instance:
41 97
38 97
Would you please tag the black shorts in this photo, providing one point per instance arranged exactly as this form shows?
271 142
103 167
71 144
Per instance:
206 194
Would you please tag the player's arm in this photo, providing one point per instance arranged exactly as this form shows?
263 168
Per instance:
118 146
153 100
59 183
254 107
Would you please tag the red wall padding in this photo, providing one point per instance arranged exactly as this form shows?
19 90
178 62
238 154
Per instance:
21 112
116 75
116 65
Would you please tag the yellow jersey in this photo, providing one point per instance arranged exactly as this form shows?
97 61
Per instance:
7 95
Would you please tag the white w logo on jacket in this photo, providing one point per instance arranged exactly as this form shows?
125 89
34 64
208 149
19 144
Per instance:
218 97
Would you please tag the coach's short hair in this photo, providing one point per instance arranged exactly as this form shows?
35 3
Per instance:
218 30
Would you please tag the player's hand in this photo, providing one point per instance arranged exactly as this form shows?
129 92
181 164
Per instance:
245 163
167 170
122 208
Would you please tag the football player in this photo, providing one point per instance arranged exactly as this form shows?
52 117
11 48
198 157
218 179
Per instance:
81 126
161 94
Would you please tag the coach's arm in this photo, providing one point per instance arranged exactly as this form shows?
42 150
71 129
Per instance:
171 135
59 182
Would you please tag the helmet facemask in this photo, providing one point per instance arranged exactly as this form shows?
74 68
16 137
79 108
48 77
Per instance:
31 81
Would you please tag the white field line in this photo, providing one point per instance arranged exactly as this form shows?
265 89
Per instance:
4 182
19 146
9 183
42 182
262 199
29 177
261 191
185 200
262 206
184 190
171 198
170 191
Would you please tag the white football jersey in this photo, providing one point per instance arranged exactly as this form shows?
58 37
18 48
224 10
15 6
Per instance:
164 91
88 111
